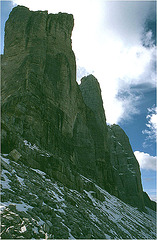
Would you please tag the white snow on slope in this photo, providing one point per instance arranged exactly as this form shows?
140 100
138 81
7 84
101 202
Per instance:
5 180
111 217
39 172
22 207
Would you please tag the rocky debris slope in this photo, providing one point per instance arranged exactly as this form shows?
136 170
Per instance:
36 206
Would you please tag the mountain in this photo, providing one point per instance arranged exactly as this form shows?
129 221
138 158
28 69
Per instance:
57 127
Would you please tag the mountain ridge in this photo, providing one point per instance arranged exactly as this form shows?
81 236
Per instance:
51 123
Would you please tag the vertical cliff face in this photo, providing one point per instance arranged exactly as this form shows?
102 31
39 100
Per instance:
126 169
113 149
42 103
40 60
52 122
38 73
91 93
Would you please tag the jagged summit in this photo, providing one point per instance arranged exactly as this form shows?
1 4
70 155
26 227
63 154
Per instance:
31 29
91 92
90 77
50 123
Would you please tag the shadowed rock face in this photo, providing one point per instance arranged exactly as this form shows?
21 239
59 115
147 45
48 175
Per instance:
148 202
42 103
56 125
126 169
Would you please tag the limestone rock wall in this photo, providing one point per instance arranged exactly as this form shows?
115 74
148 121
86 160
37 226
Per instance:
38 72
38 75
126 170
54 124
91 93
43 111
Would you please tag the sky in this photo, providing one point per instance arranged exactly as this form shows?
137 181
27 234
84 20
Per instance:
115 41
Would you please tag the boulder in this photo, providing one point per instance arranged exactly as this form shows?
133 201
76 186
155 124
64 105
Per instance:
15 155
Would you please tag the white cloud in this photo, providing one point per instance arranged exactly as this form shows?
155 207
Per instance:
107 43
125 19
148 38
151 130
145 160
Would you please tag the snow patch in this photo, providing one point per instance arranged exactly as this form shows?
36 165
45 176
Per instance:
112 136
61 211
5 159
6 181
21 180
22 207
63 205
107 236
35 230
114 168
91 197
41 222
55 195
93 218
32 147
23 229
85 179
151 212
39 172
70 235
2 207
58 189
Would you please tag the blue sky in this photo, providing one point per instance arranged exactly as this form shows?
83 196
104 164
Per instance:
115 41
